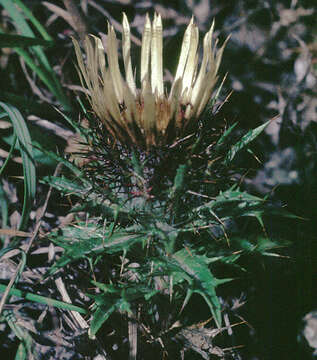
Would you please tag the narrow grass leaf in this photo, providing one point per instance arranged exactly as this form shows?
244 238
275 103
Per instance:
60 159
40 28
24 29
6 161
10 40
3 208
42 73
29 173
43 300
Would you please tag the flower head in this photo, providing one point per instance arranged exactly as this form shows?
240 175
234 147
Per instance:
148 116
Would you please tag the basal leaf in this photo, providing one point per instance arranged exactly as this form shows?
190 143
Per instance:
115 298
202 281
89 240
99 317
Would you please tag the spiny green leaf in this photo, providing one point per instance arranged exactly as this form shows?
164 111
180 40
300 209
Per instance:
89 240
99 317
202 281
233 195
179 179
245 140
136 164
82 188
225 135
260 247
65 185
178 186
115 298
228 204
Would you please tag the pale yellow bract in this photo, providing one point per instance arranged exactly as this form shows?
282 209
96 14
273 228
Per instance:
148 116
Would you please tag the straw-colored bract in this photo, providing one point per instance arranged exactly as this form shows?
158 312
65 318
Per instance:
148 116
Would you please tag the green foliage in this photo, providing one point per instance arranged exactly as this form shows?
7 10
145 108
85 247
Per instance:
193 268
245 140
4 208
35 57
25 348
88 240
23 139
116 298
166 228
9 40
43 300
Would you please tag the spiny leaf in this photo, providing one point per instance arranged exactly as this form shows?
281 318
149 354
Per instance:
99 317
225 135
240 202
89 240
260 247
245 140
66 186
187 266
179 179
178 186
115 298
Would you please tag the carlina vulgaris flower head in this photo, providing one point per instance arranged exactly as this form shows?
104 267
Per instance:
148 116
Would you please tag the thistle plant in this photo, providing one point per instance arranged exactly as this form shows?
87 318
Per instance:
157 188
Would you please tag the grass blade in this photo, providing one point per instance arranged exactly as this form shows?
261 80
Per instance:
44 75
10 40
43 300
40 28
24 29
9 155
29 173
